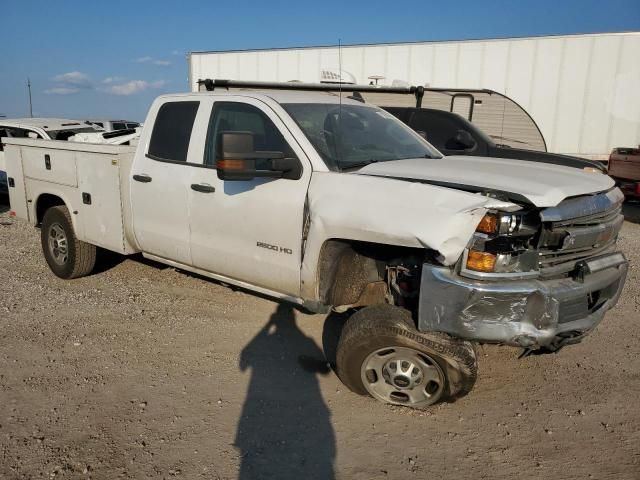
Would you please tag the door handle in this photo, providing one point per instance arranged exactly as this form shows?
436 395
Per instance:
203 187
144 178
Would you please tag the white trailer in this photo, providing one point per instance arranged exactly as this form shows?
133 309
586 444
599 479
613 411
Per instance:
582 90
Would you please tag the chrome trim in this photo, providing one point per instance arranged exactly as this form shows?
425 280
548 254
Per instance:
525 313
598 264
583 206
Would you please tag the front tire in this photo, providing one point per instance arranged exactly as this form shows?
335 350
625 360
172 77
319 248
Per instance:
381 354
66 256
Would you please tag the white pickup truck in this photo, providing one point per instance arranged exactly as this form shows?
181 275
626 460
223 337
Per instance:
331 203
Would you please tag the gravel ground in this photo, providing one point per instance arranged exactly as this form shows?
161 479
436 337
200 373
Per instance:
143 371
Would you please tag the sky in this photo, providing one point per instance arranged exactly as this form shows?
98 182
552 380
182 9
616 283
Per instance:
89 59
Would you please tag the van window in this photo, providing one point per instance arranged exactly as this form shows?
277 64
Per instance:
172 131
118 125
441 129
241 117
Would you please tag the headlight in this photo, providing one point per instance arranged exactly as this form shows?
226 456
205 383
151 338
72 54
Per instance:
504 245
502 263
503 223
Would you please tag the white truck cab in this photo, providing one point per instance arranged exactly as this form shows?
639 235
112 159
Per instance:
298 192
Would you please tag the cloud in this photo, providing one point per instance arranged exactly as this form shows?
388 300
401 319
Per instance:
61 90
133 86
109 80
153 61
69 83
176 52
74 79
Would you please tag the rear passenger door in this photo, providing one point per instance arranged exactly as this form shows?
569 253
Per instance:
161 176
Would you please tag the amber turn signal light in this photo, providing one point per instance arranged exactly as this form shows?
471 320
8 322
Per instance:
488 224
481 261
228 164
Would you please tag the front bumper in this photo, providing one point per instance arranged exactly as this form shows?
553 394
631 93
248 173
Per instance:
523 313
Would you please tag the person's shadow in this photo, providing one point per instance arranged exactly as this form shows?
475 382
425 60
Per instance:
285 429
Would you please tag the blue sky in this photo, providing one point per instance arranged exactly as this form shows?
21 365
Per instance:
110 59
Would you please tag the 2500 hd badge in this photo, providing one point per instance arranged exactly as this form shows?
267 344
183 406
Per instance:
275 248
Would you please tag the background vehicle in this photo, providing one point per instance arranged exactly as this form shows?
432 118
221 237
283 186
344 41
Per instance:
111 125
624 168
452 134
330 203
129 136
46 128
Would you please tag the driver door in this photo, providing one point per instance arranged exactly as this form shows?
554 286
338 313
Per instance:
249 230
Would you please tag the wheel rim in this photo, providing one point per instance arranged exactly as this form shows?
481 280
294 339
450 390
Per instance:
58 244
403 376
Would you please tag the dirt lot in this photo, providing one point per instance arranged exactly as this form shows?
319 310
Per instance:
143 371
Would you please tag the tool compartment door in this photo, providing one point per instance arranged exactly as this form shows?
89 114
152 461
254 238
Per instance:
15 180
100 207
50 165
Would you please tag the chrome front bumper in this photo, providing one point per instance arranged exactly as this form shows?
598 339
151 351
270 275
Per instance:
526 313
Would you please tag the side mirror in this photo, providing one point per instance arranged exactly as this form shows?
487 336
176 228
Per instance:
239 161
465 140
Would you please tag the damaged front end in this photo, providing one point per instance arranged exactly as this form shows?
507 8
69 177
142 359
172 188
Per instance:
537 280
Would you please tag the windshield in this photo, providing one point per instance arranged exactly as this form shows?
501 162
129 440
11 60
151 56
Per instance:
350 136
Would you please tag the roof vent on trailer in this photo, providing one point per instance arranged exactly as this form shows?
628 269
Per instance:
331 75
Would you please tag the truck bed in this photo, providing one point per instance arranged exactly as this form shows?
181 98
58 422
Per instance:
91 179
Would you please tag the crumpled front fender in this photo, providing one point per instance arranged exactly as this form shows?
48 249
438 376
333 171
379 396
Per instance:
389 211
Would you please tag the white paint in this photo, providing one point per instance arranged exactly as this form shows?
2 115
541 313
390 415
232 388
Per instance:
543 184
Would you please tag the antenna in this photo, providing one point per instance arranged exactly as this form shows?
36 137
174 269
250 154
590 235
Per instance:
339 97
30 104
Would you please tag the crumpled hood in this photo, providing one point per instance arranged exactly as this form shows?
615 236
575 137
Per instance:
544 185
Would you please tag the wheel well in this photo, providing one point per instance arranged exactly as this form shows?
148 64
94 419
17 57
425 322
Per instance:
354 273
44 203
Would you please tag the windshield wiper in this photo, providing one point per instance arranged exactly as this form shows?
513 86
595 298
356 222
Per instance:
353 166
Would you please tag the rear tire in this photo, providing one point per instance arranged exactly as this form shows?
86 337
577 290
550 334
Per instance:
66 256
380 353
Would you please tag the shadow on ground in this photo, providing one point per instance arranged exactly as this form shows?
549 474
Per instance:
631 211
285 428
331 332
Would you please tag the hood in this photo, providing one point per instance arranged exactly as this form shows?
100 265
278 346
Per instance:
544 185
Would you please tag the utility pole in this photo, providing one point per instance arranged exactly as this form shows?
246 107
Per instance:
30 104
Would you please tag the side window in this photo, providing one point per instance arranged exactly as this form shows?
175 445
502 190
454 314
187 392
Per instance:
172 131
100 124
118 125
133 125
241 117
441 129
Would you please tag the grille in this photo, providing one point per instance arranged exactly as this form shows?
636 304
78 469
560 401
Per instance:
565 242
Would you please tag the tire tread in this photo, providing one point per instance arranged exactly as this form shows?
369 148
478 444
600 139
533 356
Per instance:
390 321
